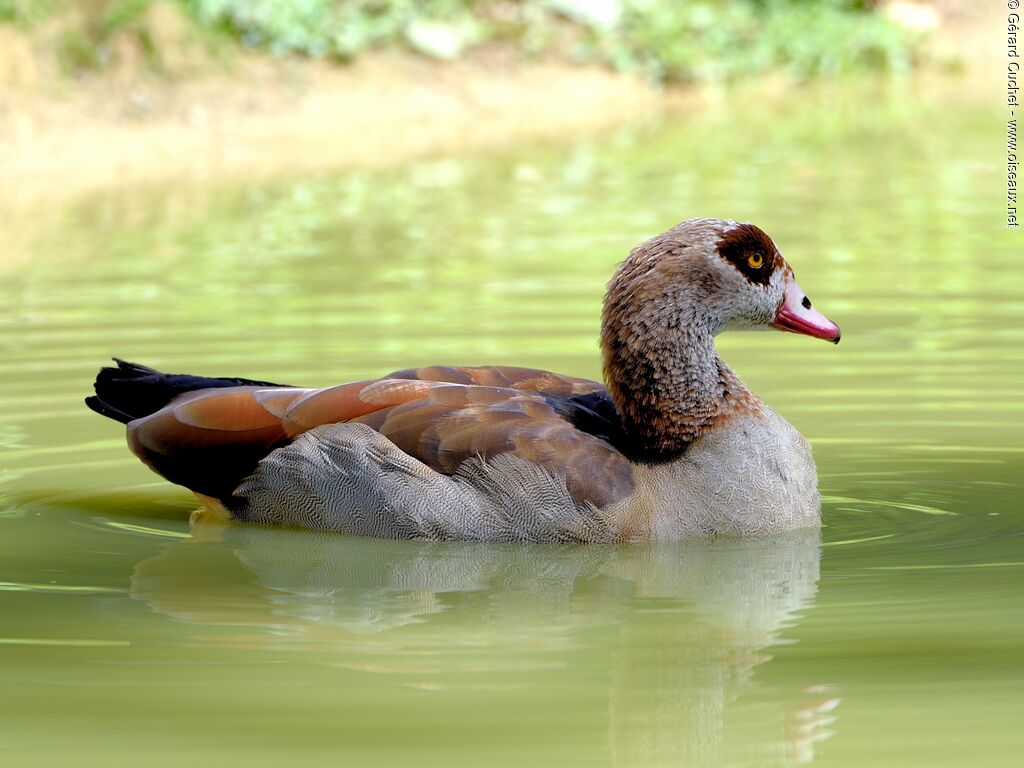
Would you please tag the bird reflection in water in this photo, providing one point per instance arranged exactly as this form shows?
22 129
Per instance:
664 639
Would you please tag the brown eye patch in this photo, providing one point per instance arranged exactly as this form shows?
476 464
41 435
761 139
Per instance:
745 246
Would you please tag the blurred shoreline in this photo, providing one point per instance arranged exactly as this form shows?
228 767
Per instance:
257 116
299 115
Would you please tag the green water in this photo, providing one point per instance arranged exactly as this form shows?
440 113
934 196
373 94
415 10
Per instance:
895 639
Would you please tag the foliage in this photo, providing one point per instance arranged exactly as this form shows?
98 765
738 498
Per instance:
724 41
337 28
666 40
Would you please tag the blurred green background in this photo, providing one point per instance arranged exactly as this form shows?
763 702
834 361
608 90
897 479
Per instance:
313 192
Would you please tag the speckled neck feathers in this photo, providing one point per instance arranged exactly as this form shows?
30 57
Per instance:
660 365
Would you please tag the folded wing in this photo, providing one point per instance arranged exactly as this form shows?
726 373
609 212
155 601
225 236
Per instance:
209 440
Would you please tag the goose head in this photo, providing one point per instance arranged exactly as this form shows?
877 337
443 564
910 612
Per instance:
713 275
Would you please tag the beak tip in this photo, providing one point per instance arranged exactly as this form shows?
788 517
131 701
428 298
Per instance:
795 314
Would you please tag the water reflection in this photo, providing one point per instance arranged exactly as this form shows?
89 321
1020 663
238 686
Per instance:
673 633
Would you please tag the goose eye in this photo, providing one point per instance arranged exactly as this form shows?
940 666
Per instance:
756 260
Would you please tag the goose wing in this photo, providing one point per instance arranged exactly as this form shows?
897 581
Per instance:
209 439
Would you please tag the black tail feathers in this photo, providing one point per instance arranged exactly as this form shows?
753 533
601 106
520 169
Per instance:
131 391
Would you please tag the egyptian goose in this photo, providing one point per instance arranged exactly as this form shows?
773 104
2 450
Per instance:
673 446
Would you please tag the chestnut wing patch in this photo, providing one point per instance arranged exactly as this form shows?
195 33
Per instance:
453 423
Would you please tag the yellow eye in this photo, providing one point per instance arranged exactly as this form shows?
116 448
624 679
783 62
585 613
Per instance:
756 260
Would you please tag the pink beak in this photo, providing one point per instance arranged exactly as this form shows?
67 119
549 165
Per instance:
797 316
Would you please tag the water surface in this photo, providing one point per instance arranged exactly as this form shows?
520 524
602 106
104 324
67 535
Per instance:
127 636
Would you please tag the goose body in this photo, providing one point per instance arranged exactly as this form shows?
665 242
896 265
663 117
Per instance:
672 446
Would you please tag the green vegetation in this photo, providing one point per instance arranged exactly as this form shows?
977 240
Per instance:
688 40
